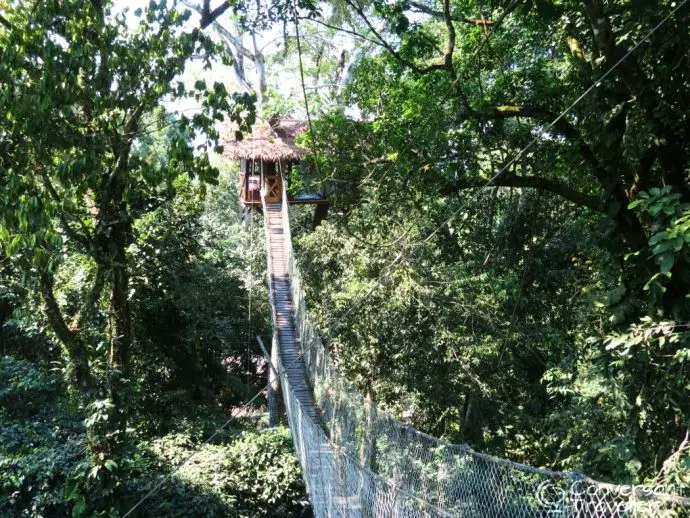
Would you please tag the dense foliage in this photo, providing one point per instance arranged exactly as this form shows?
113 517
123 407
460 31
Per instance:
532 304
190 292
244 473
489 272
127 301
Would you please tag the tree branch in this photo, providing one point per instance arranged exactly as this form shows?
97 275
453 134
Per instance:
534 182
606 42
498 23
234 40
450 46
71 233
615 198
208 16
448 54
237 67
421 8
511 7
447 64
75 346
5 22
341 29
674 157
384 43
563 126
641 178
90 305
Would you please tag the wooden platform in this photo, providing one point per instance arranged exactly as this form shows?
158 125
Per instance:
291 201
290 346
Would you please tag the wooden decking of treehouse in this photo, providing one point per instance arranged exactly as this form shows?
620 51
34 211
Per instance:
288 339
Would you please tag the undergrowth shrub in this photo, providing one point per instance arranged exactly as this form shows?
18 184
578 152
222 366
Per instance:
24 388
45 470
255 475
266 474
41 440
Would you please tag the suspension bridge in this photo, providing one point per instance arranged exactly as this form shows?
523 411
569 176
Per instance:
358 461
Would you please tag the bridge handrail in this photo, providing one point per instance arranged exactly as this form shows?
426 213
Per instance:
388 456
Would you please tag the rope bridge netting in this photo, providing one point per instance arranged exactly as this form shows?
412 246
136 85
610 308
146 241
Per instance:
360 461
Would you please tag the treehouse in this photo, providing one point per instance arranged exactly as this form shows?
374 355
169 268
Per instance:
268 158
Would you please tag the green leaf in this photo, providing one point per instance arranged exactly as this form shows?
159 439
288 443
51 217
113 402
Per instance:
666 263
655 209
657 237
677 244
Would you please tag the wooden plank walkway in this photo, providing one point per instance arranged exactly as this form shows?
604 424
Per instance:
288 338
321 466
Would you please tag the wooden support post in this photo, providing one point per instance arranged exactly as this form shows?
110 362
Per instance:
320 214
273 380
247 216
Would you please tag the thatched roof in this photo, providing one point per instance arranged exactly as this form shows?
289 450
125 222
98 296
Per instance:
270 142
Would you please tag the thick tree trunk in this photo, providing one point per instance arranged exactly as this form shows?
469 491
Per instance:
260 62
120 334
673 157
118 361
630 227
469 426
114 231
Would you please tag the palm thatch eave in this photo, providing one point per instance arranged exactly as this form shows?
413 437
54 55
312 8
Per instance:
269 143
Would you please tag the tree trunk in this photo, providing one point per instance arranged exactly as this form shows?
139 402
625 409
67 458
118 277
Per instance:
80 372
320 214
121 334
367 454
261 84
114 231
274 386
469 423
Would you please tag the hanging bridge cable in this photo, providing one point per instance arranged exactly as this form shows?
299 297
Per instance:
304 88
249 303
388 270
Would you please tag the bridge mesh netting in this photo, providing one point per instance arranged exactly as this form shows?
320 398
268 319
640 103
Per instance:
360 461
